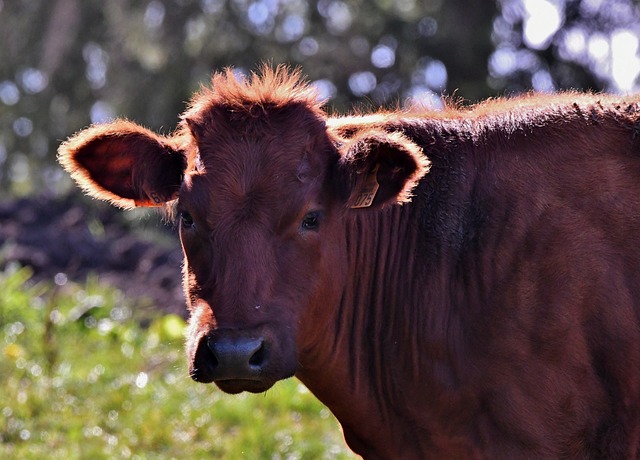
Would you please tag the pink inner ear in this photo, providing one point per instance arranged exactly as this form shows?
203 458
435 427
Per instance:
124 163
394 163
109 164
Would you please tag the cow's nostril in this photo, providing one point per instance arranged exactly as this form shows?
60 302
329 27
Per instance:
204 363
236 357
257 359
206 354
213 361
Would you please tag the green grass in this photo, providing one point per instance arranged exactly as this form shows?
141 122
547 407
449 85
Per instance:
80 378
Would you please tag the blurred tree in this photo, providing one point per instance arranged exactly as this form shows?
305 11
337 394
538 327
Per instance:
68 63
559 44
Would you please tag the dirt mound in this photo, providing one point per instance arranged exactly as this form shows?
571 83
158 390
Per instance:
135 252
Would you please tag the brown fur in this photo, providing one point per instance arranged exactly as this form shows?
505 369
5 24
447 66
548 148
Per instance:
495 314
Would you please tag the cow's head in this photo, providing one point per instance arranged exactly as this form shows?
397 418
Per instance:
260 188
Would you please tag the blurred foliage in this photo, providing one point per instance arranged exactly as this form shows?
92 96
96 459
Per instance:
560 44
81 379
68 63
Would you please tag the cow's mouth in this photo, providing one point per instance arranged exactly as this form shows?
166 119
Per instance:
235 386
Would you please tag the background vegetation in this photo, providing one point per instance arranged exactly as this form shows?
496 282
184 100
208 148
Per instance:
67 63
81 374
80 378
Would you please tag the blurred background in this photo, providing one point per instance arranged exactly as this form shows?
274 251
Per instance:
65 64
68 63
91 309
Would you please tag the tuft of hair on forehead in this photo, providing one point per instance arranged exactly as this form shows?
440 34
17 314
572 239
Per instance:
267 87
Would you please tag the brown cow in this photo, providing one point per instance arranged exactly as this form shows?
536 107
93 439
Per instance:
494 314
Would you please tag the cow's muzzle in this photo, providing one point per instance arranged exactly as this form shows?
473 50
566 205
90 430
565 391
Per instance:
235 361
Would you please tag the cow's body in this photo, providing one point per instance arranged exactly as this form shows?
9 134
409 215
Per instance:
496 315
500 308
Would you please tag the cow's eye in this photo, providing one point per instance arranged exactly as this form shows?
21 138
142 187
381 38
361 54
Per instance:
186 219
311 221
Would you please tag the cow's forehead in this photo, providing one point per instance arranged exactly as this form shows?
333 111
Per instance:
252 179
264 162
267 128
246 162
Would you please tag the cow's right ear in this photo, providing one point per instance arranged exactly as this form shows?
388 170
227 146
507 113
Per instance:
125 164
378 168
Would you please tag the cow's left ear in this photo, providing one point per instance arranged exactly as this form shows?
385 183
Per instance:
125 164
377 168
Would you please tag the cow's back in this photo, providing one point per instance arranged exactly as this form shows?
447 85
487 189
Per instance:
551 273
518 335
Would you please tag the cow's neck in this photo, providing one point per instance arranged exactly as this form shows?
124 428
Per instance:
393 344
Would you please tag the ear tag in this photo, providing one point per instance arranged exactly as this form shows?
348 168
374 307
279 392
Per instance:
365 197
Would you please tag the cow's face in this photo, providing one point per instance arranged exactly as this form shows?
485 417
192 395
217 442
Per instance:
260 201
259 228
